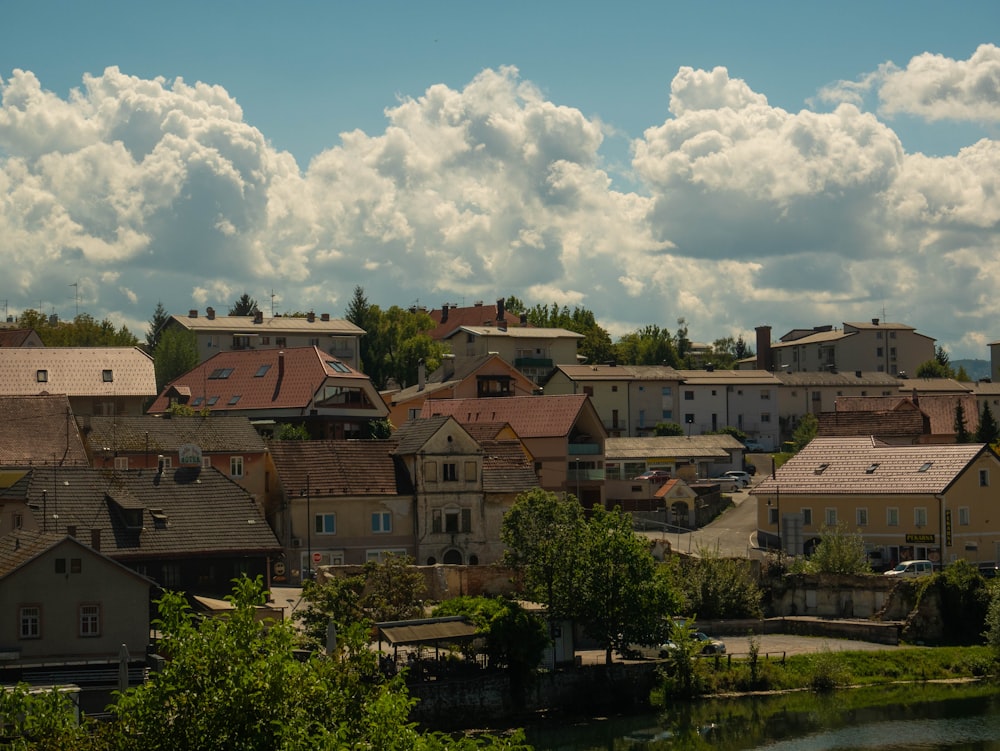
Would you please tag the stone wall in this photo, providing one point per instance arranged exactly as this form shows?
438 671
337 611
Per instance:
444 582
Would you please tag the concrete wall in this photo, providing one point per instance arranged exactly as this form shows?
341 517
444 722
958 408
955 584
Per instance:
444 582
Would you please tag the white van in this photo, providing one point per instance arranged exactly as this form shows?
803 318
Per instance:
911 568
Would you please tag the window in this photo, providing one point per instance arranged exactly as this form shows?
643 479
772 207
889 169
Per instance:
313 341
892 517
381 521
206 462
413 414
30 622
666 391
265 340
241 341
107 376
963 516
449 472
75 565
614 389
861 517
642 418
212 401
984 478
772 515
451 521
325 524
234 399
42 376
171 574
262 370
688 396
588 390
236 466
166 462
60 565
220 374
830 517
90 620
121 462
765 394
878 352
920 517
807 517
765 417
279 341
668 414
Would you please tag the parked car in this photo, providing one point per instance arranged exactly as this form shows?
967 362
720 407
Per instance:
743 477
658 475
912 568
989 569
727 484
752 444
709 646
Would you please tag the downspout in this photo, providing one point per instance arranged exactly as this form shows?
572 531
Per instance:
944 540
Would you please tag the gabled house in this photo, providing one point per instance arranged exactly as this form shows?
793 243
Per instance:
333 336
340 503
39 430
20 338
459 378
533 351
451 316
907 502
68 610
301 386
188 529
97 380
564 434
938 410
711 399
229 444
462 489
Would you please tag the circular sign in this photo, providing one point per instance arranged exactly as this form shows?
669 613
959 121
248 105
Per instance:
279 568
317 557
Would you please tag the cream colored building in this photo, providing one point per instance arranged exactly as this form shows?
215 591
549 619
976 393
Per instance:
533 351
907 501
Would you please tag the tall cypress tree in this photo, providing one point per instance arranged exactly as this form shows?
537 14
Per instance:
988 431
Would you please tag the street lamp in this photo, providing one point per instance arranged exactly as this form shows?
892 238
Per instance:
309 523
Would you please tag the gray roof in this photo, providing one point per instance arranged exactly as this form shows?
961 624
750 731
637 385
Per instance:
506 469
39 430
184 512
413 434
340 468
214 433
696 446
852 378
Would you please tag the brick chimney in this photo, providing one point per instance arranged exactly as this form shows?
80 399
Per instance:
324 317
501 311
765 359
311 317
444 313
421 375
193 313
210 313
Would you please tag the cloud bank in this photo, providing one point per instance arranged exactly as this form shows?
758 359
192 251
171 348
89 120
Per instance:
745 214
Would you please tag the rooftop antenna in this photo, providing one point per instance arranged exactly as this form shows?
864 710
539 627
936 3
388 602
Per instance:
272 303
76 295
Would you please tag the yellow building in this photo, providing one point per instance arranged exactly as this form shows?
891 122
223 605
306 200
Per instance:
940 502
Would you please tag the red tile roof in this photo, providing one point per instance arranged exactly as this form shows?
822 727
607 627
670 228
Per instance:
473 315
529 416
39 430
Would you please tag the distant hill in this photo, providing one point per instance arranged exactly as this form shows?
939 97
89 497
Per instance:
975 368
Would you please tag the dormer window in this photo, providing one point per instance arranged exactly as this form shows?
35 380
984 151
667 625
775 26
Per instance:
133 518
925 466
42 376
871 468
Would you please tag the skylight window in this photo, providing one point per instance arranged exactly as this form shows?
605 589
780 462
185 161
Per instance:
871 468
338 366
234 398
220 374
212 401
925 466
262 370
197 401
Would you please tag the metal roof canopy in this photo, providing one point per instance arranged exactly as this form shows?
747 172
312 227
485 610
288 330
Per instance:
427 630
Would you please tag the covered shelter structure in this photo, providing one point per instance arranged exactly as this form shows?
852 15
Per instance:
424 632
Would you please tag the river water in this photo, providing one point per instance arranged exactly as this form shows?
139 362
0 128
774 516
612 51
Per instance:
943 717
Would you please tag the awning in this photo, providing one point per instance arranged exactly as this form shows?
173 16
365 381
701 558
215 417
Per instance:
427 631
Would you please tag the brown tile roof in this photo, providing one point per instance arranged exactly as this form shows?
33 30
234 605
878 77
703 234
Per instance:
895 423
262 380
412 436
506 469
185 512
619 372
865 466
39 430
331 468
18 338
460 369
217 433
76 371
472 315
268 326
939 408
821 378
529 416
484 431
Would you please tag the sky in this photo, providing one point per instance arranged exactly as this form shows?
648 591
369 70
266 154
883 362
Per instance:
732 164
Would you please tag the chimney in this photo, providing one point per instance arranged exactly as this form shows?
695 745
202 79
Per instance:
874 321
192 313
258 317
210 313
71 530
501 312
524 319
478 303
95 539
765 360
324 317
311 317
421 374
159 464
444 313
502 325
281 365
448 364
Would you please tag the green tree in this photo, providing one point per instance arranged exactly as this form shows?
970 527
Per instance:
337 599
668 428
839 552
156 324
394 589
379 429
31 718
288 431
176 353
244 306
596 345
717 587
962 375
805 431
363 315
989 431
82 331
933 369
962 434
965 602
649 345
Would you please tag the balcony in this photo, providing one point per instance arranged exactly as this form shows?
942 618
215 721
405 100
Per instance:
583 449
585 475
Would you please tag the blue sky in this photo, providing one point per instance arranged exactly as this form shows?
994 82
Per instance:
649 161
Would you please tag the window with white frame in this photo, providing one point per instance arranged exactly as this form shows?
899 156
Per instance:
964 516
449 472
892 517
325 524
381 522
30 622
807 517
830 517
920 517
90 620
236 466
984 478
861 517
121 462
